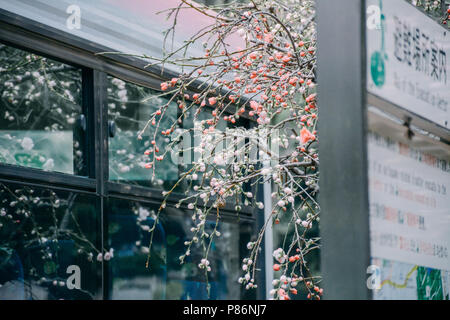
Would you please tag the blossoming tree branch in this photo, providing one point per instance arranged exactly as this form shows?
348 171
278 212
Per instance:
257 61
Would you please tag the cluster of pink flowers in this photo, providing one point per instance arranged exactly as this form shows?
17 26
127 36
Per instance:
271 81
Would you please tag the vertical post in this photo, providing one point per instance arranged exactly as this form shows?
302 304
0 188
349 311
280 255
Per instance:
89 113
101 131
262 215
101 161
268 236
344 223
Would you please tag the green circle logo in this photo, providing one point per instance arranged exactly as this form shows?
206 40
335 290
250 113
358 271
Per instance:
377 69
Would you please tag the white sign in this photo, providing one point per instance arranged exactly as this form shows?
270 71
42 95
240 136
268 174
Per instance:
408 59
409 196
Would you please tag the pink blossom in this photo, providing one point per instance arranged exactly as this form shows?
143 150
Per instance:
306 135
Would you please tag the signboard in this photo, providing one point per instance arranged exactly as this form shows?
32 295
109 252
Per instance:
408 59
393 186
409 205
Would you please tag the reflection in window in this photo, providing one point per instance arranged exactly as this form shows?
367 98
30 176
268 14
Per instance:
130 107
166 278
40 112
48 244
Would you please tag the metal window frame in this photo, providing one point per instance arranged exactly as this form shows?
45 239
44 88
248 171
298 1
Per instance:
129 69
46 41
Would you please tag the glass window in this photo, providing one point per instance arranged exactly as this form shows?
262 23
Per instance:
166 278
49 242
129 109
40 113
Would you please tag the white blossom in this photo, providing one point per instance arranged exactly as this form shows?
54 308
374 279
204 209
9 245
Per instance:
27 143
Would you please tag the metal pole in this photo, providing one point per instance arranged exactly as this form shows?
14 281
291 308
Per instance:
344 224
